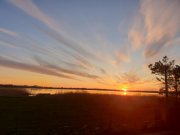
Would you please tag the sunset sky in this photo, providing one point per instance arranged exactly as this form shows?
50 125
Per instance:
87 43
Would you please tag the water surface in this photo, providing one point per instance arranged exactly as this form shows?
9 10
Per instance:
34 92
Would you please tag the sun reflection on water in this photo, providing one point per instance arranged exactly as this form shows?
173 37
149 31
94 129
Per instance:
125 91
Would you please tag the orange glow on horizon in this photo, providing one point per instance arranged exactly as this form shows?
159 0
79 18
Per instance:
125 89
122 87
20 77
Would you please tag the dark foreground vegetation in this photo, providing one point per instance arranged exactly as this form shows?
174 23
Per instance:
88 114
13 91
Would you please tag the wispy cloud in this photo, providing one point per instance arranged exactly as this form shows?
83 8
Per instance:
7 44
72 49
136 33
63 70
123 54
68 42
8 32
130 77
83 62
32 68
103 71
55 31
156 46
158 27
162 21
30 8
109 81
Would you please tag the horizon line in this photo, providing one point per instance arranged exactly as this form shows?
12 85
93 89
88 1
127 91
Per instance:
75 88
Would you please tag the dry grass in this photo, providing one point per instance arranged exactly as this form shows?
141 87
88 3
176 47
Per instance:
86 114
5 91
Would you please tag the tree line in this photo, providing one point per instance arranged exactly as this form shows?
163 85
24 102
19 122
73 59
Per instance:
168 73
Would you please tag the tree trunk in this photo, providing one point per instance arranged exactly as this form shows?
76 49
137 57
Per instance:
176 87
166 84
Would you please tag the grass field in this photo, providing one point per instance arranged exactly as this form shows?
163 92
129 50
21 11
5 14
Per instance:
87 114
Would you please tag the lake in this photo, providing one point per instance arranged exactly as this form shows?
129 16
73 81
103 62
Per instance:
34 92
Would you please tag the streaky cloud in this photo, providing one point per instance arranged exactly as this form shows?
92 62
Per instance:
9 32
77 51
123 54
136 33
55 32
103 71
60 69
29 44
130 77
156 47
162 21
74 66
7 44
68 42
4 62
156 26
83 62
30 8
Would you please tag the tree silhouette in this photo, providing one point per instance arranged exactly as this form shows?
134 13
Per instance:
163 69
176 78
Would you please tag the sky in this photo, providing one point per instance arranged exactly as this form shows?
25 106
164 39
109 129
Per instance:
87 43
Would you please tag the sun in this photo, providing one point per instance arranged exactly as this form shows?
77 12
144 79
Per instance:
124 89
